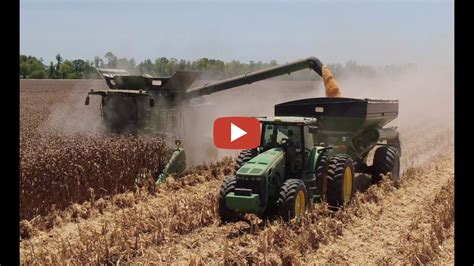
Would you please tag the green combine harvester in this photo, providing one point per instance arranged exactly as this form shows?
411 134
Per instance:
136 104
310 152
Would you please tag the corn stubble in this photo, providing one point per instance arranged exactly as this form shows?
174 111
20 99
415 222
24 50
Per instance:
134 221
430 227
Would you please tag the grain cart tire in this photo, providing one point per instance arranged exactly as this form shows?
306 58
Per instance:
225 213
386 160
396 143
293 199
244 156
340 181
321 175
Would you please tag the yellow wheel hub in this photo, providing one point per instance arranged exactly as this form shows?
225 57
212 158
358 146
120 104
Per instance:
347 185
300 203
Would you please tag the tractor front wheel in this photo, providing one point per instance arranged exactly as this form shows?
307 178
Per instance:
293 199
244 156
340 180
225 213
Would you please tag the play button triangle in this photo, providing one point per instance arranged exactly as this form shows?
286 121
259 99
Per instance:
236 132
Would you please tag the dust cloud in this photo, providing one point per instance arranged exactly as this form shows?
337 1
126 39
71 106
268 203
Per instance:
425 93
72 117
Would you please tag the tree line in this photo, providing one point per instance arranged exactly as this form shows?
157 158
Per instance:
34 68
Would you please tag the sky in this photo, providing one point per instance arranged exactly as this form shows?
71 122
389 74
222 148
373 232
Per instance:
369 32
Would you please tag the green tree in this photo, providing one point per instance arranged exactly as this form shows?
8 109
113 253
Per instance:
161 65
89 71
24 69
146 67
171 67
38 74
182 65
66 70
79 66
59 59
51 70
98 62
31 65
111 60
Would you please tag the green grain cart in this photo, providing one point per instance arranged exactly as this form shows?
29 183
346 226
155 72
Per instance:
310 152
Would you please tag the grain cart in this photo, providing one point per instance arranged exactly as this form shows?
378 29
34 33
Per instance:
310 152
134 103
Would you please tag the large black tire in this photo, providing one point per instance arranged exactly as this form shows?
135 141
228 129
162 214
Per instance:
293 199
340 173
386 160
225 213
322 167
396 143
244 156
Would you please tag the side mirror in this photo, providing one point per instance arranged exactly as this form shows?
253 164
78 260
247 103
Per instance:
87 100
313 129
152 102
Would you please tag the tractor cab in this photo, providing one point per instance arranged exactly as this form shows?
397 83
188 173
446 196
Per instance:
293 135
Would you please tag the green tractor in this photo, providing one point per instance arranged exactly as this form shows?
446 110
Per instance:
310 152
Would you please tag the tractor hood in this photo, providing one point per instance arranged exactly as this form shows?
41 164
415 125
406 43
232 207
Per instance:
261 163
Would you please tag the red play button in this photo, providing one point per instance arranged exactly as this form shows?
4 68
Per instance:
236 133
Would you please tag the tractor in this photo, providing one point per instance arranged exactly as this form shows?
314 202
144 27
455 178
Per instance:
310 152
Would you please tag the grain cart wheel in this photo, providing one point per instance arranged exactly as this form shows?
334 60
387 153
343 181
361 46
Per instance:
321 175
293 199
244 156
225 213
386 160
396 143
340 180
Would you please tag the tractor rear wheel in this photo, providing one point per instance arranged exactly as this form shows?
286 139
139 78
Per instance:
321 175
386 160
225 213
293 199
340 180
244 156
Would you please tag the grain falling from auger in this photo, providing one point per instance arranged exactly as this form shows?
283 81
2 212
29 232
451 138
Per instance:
330 84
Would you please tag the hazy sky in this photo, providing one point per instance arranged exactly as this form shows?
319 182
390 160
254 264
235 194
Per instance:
370 32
